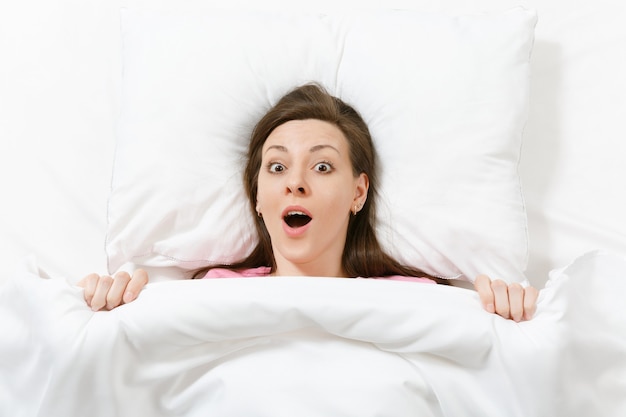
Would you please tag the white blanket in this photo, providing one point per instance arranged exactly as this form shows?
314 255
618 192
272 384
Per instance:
314 347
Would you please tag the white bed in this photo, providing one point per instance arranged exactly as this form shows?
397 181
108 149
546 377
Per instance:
76 202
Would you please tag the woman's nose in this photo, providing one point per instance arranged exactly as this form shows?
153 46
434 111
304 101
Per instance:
296 184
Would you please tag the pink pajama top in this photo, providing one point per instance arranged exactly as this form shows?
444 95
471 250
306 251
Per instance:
264 271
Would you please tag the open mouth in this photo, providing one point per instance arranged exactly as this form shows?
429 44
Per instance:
295 219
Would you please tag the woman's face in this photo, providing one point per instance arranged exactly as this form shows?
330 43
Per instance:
306 192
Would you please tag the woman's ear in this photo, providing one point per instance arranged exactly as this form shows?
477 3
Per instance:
362 186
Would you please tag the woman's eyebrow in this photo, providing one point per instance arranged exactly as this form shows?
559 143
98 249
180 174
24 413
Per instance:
315 148
320 147
277 147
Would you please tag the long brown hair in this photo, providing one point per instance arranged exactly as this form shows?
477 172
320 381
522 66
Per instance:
362 254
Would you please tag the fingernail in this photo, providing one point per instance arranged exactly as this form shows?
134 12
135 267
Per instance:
128 296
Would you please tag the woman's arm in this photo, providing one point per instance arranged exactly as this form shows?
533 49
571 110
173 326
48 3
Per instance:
106 292
511 301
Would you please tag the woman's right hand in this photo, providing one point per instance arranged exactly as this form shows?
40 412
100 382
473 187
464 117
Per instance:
106 292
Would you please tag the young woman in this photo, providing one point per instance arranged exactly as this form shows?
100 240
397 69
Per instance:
311 180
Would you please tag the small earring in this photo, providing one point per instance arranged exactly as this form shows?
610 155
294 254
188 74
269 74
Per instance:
357 207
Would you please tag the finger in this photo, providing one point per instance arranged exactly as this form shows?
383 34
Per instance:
530 302
483 287
501 297
114 296
516 302
99 299
136 284
89 283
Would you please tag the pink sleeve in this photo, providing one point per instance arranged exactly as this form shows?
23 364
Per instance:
229 273
264 271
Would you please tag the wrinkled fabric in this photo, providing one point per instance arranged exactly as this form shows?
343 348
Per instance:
314 347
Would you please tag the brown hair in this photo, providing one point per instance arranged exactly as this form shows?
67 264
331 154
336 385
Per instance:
362 254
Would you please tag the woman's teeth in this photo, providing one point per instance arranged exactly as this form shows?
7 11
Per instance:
297 219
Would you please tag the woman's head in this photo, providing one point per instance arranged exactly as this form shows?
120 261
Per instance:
326 150
323 151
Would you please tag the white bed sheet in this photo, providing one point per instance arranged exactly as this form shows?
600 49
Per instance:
58 105
315 347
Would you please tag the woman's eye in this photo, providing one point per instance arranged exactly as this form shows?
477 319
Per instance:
323 167
275 167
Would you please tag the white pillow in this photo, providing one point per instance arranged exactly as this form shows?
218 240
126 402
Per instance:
445 97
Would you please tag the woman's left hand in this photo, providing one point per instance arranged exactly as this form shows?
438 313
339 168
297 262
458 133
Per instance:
511 301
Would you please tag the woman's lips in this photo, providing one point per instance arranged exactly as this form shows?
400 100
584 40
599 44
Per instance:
296 220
